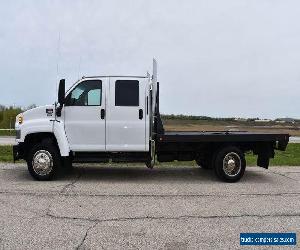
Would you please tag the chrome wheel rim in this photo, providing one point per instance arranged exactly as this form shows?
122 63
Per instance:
232 164
42 162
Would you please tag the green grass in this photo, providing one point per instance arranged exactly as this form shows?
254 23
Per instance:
7 132
6 154
290 157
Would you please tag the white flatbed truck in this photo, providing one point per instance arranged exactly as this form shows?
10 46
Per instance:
116 118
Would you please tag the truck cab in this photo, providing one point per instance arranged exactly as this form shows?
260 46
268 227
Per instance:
98 119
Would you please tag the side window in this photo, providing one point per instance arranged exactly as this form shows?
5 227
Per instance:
127 93
87 93
94 97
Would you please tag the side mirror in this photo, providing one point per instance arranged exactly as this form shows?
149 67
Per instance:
61 96
61 92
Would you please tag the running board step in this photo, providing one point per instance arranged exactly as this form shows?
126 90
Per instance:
104 157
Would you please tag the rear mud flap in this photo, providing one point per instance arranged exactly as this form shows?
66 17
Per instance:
263 161
266 152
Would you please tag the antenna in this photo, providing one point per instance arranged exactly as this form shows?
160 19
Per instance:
79 65
57 62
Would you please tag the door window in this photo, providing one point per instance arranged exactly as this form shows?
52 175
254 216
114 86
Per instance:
87 93
127 93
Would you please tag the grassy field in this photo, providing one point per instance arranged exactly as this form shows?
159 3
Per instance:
290 157
6 154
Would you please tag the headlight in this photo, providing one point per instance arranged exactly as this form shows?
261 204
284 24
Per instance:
19 119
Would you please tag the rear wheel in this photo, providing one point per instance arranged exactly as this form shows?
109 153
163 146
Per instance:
43 161
230 164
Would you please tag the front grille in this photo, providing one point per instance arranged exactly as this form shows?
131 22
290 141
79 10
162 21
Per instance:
18 134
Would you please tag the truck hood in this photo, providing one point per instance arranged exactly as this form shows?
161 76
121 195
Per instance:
41 112
46 112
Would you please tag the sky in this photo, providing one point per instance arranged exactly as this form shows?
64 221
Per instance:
233 58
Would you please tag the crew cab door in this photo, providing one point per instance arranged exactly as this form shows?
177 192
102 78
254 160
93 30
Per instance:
84 116
126 115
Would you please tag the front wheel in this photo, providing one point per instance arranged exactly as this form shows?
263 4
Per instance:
230 164
43 161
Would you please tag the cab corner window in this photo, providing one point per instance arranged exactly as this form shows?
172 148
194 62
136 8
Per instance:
127 93
87 93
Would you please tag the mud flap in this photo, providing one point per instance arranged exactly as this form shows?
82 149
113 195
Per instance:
263 161
265 152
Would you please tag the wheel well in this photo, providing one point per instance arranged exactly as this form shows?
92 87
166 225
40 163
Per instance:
33 139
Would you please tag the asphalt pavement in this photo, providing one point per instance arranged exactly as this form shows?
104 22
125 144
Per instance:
7 140
132 207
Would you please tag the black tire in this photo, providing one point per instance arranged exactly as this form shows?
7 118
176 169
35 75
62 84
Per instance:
50 151
230 164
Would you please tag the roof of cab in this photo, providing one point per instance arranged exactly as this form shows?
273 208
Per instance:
105 76
114 76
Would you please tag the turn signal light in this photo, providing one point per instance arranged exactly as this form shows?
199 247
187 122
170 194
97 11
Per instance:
20 119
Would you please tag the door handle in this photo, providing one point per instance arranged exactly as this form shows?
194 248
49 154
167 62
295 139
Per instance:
141 114
102 113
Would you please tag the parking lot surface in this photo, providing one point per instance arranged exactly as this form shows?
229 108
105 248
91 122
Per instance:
130 207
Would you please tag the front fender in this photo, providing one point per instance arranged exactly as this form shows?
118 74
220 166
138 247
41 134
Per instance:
33 127
61 138
46 126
